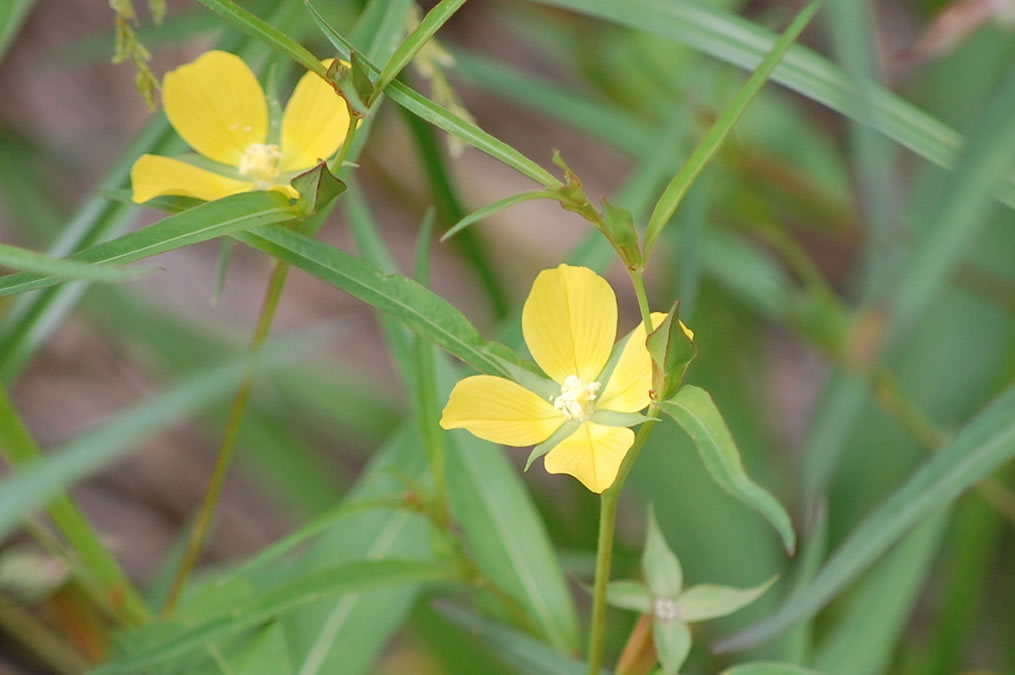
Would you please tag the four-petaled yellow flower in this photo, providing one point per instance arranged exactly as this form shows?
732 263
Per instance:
569 323
217 105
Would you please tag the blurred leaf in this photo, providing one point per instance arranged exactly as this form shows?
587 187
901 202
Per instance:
507 536
265 652
723 126
708 601
673 642
694 410
658 563
627 594
980 447
12 15
768 668
869 628
339 580
743 43
208 221
517 649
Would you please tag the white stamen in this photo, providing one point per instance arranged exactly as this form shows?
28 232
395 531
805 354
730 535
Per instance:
576 397
665 609
260 162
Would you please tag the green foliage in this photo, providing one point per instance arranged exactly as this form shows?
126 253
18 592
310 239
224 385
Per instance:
845 269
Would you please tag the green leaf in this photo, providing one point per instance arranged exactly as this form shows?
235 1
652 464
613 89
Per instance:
658 563
743 43
441 117
426 29
629 594
266 651
421 310
723 126
318 187
354 577
208 221
983 445
769 668
672 350
673 642
695 411
25 260
507 536
707 601
521 651
490 209
12 15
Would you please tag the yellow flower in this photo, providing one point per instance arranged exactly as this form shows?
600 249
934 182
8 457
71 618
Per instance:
217 105
570 324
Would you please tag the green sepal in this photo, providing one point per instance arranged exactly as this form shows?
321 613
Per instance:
613 418
317 188
622 234
672 349
565 430
361 82
629 594
708 601
341 78
659 564
673 642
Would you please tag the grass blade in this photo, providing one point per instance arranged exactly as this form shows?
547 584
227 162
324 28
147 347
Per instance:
24 260
12 15
427 28
342 579
981 447
716 135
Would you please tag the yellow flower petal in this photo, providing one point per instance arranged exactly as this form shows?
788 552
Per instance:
592 454
501 411
217 106
153 176
314 123
627 390
570 322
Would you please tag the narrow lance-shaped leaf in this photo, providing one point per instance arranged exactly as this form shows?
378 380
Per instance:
24 260
709 601
980 448
207 221
696 412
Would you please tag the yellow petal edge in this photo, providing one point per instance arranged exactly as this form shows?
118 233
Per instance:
592 454
501 411
154 176
314 123
629 385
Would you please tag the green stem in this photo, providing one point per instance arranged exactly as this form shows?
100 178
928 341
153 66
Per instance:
20 448
638 280
200 531
604 553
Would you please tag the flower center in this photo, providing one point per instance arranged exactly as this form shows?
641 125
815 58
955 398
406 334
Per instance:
576 397
260 162
664 609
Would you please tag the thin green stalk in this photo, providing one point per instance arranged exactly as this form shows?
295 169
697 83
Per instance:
200 531
604 552
20 448
609 501
717 134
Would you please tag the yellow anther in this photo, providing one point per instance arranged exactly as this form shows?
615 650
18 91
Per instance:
576 397
260 162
